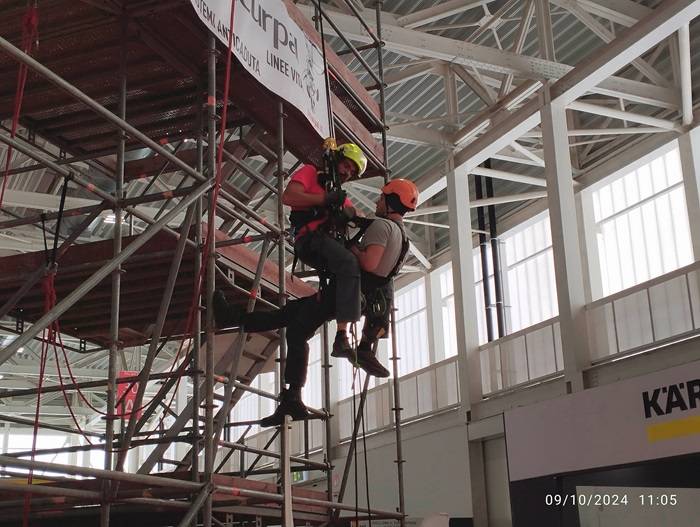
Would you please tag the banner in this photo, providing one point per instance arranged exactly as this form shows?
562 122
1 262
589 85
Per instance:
126 396
275 51
639 419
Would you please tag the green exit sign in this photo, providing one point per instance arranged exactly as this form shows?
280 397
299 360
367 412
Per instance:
299 476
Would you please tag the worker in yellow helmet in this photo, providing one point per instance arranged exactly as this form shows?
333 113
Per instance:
310 201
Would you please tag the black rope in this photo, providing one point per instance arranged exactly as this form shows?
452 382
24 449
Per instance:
46 245
331 122
61 208
355 377
364 447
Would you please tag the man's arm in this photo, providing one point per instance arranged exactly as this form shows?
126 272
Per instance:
369 257
295 195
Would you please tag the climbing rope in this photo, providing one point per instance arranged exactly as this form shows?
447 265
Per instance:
30 36
356 381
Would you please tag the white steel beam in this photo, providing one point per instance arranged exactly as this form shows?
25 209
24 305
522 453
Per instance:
428 223
565 244
582 132
686 74
362 186
605 111
607 36
518 43
419 255
441 11
416 43
484 92
499 200
508 176
666 19
623 12
689 149
415 135
424 211
469 362
545 38
409 73
527 153
450 88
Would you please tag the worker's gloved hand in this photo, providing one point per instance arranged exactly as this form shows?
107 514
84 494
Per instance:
335 198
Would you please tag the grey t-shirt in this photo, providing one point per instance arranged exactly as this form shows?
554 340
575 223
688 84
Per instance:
389 235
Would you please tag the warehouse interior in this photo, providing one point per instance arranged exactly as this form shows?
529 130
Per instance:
542 355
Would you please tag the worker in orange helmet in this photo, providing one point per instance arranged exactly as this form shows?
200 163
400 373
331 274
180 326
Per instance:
380 247
381 250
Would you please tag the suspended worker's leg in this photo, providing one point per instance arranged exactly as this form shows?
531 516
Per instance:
376 310
233 315
326 254
307 316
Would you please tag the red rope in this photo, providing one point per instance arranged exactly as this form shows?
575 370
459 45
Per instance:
215 198
30 33
49 286
46 286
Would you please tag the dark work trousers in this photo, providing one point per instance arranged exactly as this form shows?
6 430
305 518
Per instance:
323 253
302 317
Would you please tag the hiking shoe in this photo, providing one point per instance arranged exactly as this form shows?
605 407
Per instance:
343 350
291 405
367 360
225 314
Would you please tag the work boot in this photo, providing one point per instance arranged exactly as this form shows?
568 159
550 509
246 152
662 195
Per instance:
367 360
291 405
225 315
342 348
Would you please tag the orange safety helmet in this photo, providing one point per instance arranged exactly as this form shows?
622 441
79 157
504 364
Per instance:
405 190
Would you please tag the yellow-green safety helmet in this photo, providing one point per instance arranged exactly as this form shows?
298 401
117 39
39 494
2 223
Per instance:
355 154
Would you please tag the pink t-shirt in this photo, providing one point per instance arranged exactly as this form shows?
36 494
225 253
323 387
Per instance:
308 177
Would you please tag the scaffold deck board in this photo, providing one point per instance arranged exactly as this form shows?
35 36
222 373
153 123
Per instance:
83 512
144 278
166 49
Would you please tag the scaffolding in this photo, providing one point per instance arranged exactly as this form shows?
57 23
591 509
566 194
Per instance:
169 83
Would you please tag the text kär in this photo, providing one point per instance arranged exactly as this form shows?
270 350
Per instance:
666 399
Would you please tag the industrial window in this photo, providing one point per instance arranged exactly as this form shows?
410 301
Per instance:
447 305
312 393
641 223
447 312
529 273
252 407
412 327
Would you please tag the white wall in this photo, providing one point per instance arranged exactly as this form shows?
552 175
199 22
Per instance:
436 470
497 486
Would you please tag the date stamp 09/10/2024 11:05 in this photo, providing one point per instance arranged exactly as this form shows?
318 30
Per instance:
611 500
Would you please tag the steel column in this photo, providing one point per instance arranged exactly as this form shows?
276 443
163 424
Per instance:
689 150
286 478
114 344
328 444
210 277
565 243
